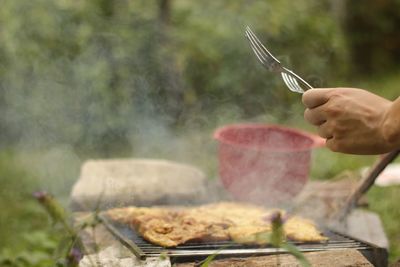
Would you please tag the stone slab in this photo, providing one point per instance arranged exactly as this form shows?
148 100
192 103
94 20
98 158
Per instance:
117 255
367 226
111 183
323 200
337 258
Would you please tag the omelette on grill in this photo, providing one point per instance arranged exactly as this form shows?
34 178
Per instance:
242 223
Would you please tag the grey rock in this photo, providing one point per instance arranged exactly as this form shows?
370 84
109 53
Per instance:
118 256
143 182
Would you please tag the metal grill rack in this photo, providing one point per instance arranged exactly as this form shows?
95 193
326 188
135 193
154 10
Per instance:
198 251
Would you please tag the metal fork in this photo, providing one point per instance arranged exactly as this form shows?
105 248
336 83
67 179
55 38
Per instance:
270 62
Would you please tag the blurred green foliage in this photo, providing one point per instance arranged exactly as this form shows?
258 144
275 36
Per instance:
26 236
153 78
86 72
375 35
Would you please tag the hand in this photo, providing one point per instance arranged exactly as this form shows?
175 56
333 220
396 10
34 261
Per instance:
350 119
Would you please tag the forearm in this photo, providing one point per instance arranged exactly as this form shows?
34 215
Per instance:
391 125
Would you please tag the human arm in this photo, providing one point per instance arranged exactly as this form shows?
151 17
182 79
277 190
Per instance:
391 124
353 120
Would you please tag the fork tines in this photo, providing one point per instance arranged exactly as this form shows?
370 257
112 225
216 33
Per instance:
262 53
270 62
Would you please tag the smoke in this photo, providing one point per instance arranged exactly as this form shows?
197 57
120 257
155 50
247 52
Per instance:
62 115
92 87
55 167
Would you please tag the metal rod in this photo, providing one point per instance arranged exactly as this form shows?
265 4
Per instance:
238 252
125 241
366 182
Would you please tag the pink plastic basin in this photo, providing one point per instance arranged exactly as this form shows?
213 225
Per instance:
264 164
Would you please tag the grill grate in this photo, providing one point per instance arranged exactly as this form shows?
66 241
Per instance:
196 251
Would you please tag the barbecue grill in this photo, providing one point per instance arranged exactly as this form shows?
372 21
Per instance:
194 251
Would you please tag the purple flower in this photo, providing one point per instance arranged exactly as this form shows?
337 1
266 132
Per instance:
74 257
276 217
41 196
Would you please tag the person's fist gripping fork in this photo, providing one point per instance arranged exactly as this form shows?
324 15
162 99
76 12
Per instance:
354 120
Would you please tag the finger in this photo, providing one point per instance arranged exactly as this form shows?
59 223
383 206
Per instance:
330 143
315 116
339 145
325 131
315 97
333 144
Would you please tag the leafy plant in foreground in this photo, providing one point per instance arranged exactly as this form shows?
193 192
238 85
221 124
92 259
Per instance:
66 253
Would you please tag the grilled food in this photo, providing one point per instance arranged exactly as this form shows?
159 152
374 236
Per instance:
242 223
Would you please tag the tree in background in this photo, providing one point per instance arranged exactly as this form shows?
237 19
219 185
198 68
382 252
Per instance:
94 74
373 33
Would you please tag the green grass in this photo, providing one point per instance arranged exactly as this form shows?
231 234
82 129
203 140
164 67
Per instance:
20 213
27 238
385 201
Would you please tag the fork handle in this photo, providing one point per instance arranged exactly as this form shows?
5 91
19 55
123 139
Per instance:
301 80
